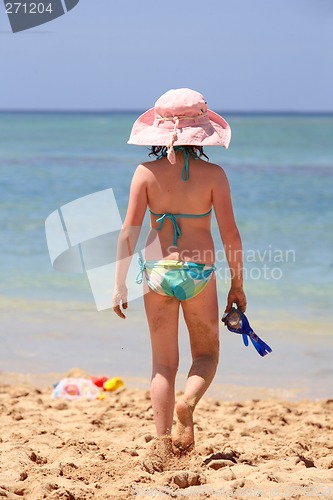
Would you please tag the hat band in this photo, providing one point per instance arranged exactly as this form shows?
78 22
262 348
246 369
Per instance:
178 118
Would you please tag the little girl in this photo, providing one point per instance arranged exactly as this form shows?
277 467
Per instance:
180 189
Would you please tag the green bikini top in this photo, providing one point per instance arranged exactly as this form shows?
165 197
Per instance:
172 217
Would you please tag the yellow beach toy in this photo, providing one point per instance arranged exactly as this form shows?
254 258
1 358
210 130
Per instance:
112 384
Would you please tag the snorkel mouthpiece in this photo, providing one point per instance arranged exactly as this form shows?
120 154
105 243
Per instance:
236 321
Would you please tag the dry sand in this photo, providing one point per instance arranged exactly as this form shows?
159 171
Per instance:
84 450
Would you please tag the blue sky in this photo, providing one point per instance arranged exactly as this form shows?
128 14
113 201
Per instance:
243 55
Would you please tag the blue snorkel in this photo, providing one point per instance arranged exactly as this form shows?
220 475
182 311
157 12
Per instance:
236 321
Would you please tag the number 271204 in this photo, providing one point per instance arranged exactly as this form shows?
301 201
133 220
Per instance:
28 8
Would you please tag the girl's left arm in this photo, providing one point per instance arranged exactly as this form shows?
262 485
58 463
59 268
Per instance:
231 239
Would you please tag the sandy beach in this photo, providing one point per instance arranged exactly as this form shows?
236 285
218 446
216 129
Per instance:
105 449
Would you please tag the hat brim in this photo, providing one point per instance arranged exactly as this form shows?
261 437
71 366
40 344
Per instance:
215 131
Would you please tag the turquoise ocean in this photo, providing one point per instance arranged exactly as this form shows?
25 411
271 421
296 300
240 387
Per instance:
280 169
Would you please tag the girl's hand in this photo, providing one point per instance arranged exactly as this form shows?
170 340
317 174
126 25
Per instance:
119 296
236 295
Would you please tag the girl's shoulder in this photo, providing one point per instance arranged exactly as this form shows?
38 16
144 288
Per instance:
147 166
207 171
213 170
150 169
144 169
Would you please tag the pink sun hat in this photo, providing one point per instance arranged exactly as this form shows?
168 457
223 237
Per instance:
180 117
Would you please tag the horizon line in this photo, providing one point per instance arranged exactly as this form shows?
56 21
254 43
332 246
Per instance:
138 111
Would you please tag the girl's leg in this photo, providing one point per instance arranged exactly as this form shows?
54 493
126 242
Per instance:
201 317
163 314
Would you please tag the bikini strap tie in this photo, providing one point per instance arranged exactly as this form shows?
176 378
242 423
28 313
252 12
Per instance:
185 173
139 276
176 229
187 153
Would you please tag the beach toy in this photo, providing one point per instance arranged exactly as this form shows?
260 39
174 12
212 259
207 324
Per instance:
236 321
99 381
113 384
76 388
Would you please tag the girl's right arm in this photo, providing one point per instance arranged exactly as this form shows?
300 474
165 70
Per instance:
137 206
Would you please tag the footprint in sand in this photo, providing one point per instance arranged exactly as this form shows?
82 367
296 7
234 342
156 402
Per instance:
221 459
183 437
159 455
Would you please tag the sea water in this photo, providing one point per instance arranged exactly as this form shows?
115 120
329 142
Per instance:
280 169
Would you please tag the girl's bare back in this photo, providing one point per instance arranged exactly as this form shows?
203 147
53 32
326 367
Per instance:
167 193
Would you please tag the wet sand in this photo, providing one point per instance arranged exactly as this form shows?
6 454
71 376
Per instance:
48 336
